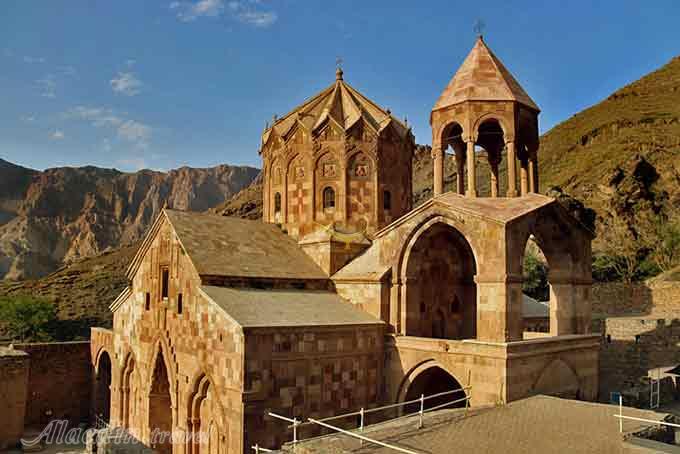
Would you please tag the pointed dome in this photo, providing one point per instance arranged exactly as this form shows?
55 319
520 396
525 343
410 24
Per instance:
340 103
482 77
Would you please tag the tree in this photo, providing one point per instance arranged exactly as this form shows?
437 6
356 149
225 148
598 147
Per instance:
622 249
662 237
27 319
535 274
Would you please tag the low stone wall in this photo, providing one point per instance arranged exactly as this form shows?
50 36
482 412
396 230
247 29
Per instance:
59 382
645 298
14 369
640 326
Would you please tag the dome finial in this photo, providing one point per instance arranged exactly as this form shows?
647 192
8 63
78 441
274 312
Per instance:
338 70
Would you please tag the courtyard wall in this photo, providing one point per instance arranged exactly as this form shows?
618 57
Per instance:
14 370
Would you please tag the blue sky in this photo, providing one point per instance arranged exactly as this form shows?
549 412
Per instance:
160 84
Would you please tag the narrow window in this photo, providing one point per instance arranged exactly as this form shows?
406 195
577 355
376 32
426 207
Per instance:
422 308
637 338
165 277
609 338
387 200
179 304
328 198
277 202
147 303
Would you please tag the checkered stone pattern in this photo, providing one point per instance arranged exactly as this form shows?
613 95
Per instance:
305 373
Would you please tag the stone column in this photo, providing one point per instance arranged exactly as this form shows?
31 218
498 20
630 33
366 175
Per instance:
524 176
471 171
493 164
512 169
395 300
438 159
284 197
460 169
499 313
409 314
561 306
532 183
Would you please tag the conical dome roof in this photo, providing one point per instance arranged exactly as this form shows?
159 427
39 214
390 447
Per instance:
482 77
341 103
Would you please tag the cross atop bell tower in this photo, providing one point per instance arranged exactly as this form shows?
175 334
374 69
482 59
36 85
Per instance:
484 107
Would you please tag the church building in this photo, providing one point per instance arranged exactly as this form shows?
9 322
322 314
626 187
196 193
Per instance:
345 295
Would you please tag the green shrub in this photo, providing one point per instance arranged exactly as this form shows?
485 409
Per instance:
27 319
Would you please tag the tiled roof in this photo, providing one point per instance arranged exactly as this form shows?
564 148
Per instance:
501 209
341 103
482 77
281 308
226 246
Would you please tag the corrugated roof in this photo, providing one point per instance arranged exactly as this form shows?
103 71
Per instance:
482 77
226 246
341 103
283 308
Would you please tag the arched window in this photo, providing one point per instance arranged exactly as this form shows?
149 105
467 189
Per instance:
277 202
387 200
328 198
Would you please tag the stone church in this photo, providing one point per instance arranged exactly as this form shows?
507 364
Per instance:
347 296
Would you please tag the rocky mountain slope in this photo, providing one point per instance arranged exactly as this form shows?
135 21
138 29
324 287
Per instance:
622 155
53 217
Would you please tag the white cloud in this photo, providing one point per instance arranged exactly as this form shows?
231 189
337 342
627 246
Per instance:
48 86
190 11
126 83
257 18
30 60
57 135
132 131
244 11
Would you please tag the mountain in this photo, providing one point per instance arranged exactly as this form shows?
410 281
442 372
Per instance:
621 156
53 217
81 290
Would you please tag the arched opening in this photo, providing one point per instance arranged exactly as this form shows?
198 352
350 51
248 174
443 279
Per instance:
160 408
277 204
431 381
490 137
535 290
129 388
387 201
328 198
103 387
440 273
203 413
454 158
558 379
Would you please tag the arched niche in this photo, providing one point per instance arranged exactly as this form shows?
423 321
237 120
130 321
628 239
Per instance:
438 270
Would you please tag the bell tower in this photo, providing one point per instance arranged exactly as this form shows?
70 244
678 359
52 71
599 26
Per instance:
484 108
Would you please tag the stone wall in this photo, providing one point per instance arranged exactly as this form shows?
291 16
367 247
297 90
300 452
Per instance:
619 299
59 382
640 326
309 372
14 370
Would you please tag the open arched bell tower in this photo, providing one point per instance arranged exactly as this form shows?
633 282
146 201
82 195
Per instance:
484 107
